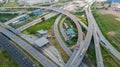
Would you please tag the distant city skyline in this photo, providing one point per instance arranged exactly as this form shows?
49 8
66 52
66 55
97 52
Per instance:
113 0
108 0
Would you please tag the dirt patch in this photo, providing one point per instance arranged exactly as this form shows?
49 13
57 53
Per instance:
118 19
111 33
115 13
103 11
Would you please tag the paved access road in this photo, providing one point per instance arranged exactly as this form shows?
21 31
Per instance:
16 54
8 22
71 16
62 30
36 21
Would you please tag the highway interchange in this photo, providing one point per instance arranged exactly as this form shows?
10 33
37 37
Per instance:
80 50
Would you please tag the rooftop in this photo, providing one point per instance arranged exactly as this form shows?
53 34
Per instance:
41 42
70 31
31 2
42 32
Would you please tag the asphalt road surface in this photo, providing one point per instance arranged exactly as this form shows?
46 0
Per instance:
16 54
57 34
32 51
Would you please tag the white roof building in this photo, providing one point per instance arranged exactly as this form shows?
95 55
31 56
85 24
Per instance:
115 5
32 2
41 42
42 32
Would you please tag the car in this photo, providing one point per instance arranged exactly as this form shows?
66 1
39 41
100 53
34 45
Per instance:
103 42
21 19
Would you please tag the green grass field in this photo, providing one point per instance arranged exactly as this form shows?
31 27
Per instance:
11 4
1 4
6 60
91 53
79 15
108 59
45 25
110 27
6 17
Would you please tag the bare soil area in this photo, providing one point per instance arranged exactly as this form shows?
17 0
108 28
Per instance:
111 33
118 19
115 13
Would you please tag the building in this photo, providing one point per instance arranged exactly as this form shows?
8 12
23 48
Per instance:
106 5
41 42
32 2
114 6
70 32
101 0
38 11
15 22
42 32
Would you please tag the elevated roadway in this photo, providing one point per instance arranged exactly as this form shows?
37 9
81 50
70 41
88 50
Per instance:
32 51
96 39
71 16
79 55
62 30
98 50
16 54
103 40
57 34
74 19
77 58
